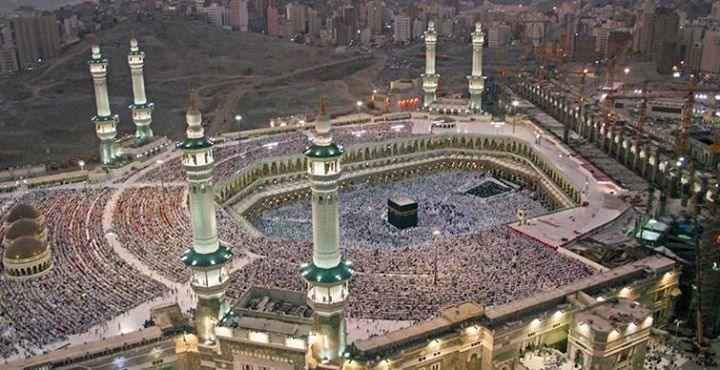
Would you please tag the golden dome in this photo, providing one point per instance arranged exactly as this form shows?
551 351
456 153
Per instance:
21 211
24 247
24 227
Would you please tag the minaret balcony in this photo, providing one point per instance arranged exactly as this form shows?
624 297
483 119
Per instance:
215 259
317 276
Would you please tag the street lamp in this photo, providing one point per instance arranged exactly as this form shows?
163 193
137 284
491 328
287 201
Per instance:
238 118
162 180
515 104
436 234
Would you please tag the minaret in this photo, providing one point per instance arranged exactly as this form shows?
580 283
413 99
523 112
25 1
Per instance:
105 121
328 275
207 258
141 108
430 78
475 80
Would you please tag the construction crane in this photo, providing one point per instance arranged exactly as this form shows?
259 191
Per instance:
682 144
615 50
559 58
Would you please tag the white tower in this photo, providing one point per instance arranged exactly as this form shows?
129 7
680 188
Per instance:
430 78
328 275
141 108
475 80
105 121
207 258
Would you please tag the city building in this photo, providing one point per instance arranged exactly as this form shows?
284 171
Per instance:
710 61
418 27
402 28
313 23
36 38
272 21
610 334
8 59
377 16
642 35
498 34
297 14
239 16
217 15
665 28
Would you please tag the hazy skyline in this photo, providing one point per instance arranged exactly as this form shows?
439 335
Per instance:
10 5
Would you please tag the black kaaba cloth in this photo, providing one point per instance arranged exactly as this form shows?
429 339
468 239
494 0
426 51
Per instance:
402 212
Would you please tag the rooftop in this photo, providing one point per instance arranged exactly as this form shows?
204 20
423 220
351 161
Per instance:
613 314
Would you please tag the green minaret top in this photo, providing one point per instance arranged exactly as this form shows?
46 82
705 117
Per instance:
196 138
323 146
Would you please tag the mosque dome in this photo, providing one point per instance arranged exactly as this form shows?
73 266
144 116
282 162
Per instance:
24 247
21 211
24 227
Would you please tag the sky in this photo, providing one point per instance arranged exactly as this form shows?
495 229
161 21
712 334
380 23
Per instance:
9 5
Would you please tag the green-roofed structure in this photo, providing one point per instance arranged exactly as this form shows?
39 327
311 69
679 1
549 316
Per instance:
207 258
327 275
141 108
105 122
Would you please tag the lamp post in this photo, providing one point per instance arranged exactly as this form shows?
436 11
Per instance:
436 234
162 180
238 118
515 104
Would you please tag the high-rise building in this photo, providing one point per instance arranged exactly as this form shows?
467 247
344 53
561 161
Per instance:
402 28
313 22
710 62
418 27
297 13
446 27
693 56
584 49
350 18
71 28
642 37
715 11
665 26
498 34
239 16
272 21
601 39
8 59
36 38
217 15
377 15
257 8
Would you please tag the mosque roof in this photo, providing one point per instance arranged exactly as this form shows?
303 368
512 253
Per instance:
24 247
217 258
317 275
21 211
324 151
199 143
23 227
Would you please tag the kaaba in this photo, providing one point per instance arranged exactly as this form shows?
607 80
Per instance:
402 212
